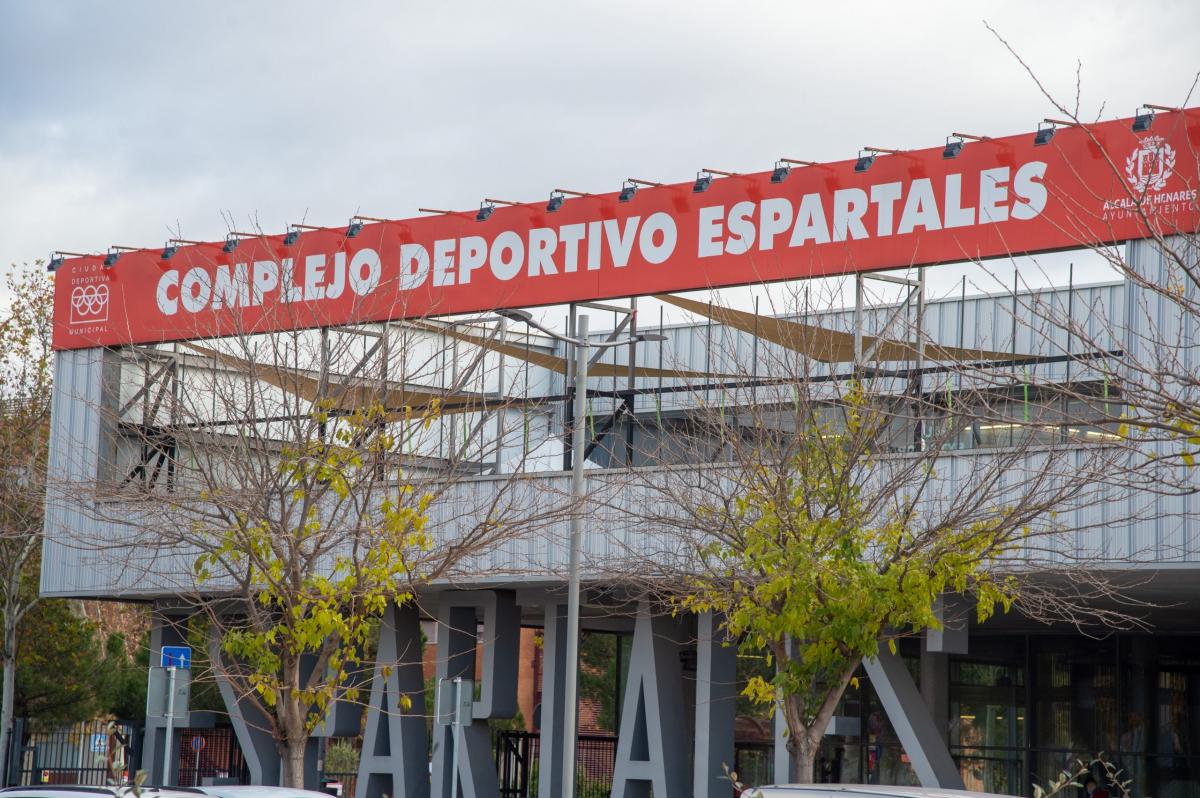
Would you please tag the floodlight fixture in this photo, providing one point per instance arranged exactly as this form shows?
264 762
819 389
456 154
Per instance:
114 252
783 168
172 246
1142 120
293 233
1045 132
559 195
486 209
231 243
630 187
864 162
354 227
1144 116
648 337
703 181
58 256
954 146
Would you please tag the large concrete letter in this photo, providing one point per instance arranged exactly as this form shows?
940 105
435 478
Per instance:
249 724
910 717
952 611
395 755
651 748
458 622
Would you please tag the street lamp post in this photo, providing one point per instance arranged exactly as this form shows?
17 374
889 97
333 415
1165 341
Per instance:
571 671
571 676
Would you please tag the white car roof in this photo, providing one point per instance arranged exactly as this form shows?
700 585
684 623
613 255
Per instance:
82 791
866 790
250 791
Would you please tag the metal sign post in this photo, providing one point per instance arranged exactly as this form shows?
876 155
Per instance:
170 714
198 744
172 659
458 683
455 716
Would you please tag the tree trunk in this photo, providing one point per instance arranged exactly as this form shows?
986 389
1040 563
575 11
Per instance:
293 763
804 760
6 702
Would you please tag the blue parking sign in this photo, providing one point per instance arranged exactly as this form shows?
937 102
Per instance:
177 657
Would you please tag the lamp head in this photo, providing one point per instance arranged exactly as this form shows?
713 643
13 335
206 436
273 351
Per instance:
515 314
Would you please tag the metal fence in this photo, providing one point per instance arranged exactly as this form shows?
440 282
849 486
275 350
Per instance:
79 754
517 755
595 757
210 754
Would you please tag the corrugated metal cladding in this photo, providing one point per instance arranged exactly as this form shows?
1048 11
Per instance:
84 554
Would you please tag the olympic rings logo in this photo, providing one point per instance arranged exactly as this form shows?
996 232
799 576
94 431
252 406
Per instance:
89 302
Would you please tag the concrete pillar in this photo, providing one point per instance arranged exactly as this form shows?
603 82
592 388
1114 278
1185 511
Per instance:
782 761
935 689
165 630
716 708
550 745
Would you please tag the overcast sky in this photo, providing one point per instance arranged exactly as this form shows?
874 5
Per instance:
121 121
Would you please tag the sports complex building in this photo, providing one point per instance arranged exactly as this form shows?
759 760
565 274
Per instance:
166 356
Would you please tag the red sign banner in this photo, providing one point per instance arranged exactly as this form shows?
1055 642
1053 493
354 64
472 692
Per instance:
1022 194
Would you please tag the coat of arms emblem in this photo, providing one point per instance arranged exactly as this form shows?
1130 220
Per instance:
1150 164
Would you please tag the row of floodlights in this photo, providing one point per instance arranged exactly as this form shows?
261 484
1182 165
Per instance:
1142 120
